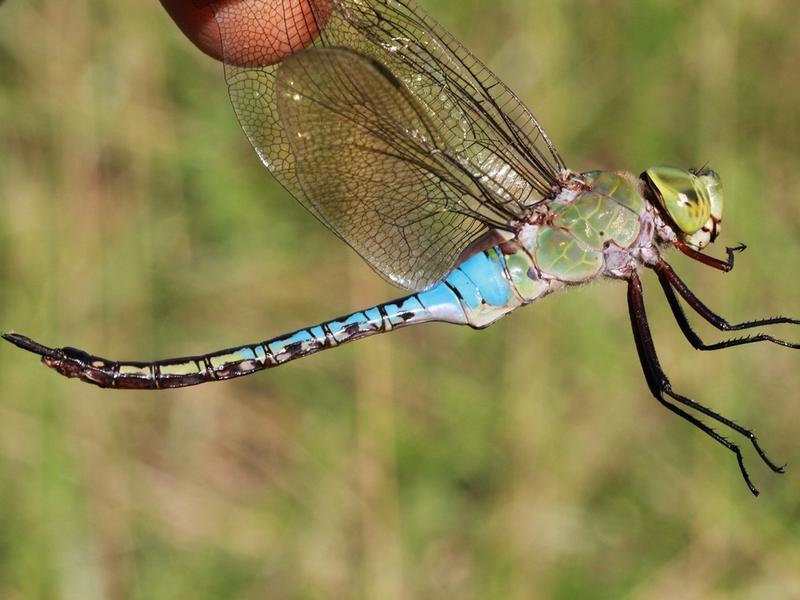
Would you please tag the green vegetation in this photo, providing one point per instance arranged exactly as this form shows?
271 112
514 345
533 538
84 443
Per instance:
524 461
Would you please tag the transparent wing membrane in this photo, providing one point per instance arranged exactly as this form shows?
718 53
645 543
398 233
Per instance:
365 157
384 126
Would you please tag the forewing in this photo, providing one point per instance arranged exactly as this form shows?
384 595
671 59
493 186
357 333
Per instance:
482 119
488 160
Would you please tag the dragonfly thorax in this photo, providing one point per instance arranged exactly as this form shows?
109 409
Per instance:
602 227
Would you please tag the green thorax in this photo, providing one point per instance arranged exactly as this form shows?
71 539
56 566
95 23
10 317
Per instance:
570 244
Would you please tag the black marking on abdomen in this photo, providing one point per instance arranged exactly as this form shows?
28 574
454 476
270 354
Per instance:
212 374
331 340
269 357
385 322
293 349
352 329
458 296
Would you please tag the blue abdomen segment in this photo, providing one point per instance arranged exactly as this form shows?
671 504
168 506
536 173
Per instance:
487 272
482 287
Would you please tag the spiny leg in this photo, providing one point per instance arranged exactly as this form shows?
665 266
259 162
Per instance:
670 283
660 385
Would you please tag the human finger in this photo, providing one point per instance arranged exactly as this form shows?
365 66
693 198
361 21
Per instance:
249 33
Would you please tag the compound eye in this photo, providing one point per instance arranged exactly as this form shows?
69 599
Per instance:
713 185
682 195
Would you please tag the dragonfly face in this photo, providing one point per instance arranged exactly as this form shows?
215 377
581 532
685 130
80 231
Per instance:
691 200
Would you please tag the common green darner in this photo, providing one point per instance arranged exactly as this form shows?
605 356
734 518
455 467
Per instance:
408 148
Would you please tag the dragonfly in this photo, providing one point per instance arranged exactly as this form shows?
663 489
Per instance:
390 132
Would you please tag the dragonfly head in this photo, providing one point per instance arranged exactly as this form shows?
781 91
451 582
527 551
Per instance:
691 200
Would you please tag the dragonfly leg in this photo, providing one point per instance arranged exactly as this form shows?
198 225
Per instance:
661 388
671 283
722 265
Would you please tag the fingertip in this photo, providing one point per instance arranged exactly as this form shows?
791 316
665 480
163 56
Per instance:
197 23
249 34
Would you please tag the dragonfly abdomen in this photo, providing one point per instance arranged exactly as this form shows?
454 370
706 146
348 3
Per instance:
244 360
485 287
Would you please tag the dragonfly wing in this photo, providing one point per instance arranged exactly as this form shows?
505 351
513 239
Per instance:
368 160
487 159
482 118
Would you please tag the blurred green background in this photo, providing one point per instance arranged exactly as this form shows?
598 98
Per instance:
524 461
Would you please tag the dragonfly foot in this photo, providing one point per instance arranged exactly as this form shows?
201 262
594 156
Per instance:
740 247
774 466
743 469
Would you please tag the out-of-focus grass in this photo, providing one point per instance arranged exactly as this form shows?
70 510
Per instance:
523 461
